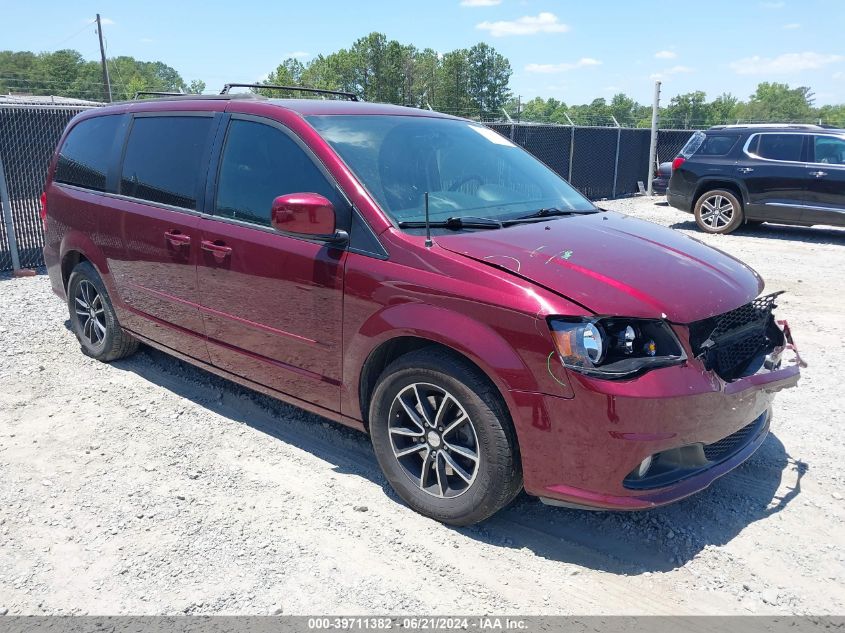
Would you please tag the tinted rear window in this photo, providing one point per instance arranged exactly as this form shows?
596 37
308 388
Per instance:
716 145
780 146
84 156
163 159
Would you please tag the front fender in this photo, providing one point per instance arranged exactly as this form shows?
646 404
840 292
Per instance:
477 341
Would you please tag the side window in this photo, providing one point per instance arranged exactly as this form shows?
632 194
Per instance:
829 150
780 146
260 163
163 159
716 145
84 156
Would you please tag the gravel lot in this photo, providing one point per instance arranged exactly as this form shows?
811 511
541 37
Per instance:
151 487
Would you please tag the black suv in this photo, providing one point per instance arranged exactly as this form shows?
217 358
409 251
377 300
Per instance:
732 174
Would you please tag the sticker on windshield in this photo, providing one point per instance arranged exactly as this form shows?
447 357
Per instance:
490 135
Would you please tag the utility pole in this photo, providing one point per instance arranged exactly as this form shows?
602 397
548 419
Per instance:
519 108
103 59
652 152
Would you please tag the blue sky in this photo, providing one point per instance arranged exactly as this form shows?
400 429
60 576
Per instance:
572 50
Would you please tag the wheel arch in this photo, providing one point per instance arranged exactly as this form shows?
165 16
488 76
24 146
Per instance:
709 184
479 345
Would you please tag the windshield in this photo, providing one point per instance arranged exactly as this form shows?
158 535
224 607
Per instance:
467 169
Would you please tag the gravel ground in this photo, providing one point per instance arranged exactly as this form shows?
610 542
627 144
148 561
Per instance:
151 487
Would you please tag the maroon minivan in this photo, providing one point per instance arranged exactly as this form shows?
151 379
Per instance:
419 277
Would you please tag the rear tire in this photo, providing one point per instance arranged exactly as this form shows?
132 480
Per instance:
92 317
443 438
718 211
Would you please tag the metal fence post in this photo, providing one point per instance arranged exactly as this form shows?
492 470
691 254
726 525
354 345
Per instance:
616 161
652 151
571 145
8 220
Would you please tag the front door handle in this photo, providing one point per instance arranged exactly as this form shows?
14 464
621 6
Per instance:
818 174
217 248
177 238
745 170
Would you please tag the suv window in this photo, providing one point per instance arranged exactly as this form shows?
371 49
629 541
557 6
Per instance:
84 157
780 146
260 163
829 150
163 159
716 145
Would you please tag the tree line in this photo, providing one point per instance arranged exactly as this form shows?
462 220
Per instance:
466 81
471 82
66 73
771 102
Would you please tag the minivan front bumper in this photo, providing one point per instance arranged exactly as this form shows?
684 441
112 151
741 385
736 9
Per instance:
583 450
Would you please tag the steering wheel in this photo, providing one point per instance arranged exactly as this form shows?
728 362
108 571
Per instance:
457 185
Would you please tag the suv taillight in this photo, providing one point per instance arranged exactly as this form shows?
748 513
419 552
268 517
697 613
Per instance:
679 160
44 210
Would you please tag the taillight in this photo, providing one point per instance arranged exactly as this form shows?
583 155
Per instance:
679 160
44 210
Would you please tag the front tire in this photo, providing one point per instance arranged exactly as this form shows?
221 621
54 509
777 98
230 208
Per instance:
443 438
92 317
718 211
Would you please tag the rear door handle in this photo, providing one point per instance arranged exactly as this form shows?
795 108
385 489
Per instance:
818 174
217 248
177 238
745 170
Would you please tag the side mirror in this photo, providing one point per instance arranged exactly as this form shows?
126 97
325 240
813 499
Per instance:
306 214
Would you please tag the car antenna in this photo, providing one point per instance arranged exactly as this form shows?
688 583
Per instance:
428 242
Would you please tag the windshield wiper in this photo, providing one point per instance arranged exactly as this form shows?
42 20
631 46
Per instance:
455 223
547 212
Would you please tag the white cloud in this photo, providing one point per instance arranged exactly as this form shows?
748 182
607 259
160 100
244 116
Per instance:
674 70
791 26
563 67
527 25
783 64
146 40
838 75
297 55
773 5
107 22
480 3
665 55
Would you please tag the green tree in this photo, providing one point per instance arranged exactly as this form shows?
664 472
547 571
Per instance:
779 102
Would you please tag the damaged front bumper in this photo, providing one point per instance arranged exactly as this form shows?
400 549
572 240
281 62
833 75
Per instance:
686 425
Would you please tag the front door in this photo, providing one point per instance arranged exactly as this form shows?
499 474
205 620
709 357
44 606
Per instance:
272 304
774 175
826 181
161 182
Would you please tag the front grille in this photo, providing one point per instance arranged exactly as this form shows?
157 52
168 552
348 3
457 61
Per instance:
729 445
735 344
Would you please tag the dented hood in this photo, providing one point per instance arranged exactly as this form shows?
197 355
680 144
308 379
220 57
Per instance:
614 264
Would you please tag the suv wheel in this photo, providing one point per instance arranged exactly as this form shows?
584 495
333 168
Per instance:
92 317
718 211
444 439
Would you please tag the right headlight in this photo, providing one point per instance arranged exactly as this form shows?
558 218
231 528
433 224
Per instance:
615 347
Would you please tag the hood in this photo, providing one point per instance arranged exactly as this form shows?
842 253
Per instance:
614 264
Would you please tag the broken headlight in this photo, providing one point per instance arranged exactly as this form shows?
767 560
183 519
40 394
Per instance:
615 347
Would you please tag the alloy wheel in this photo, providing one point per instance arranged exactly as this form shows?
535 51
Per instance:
717 211
90 312
434 440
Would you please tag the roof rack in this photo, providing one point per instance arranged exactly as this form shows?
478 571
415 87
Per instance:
153 93
783 126
348 95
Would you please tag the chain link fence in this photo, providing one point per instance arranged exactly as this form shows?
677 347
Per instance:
28 136
601 162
